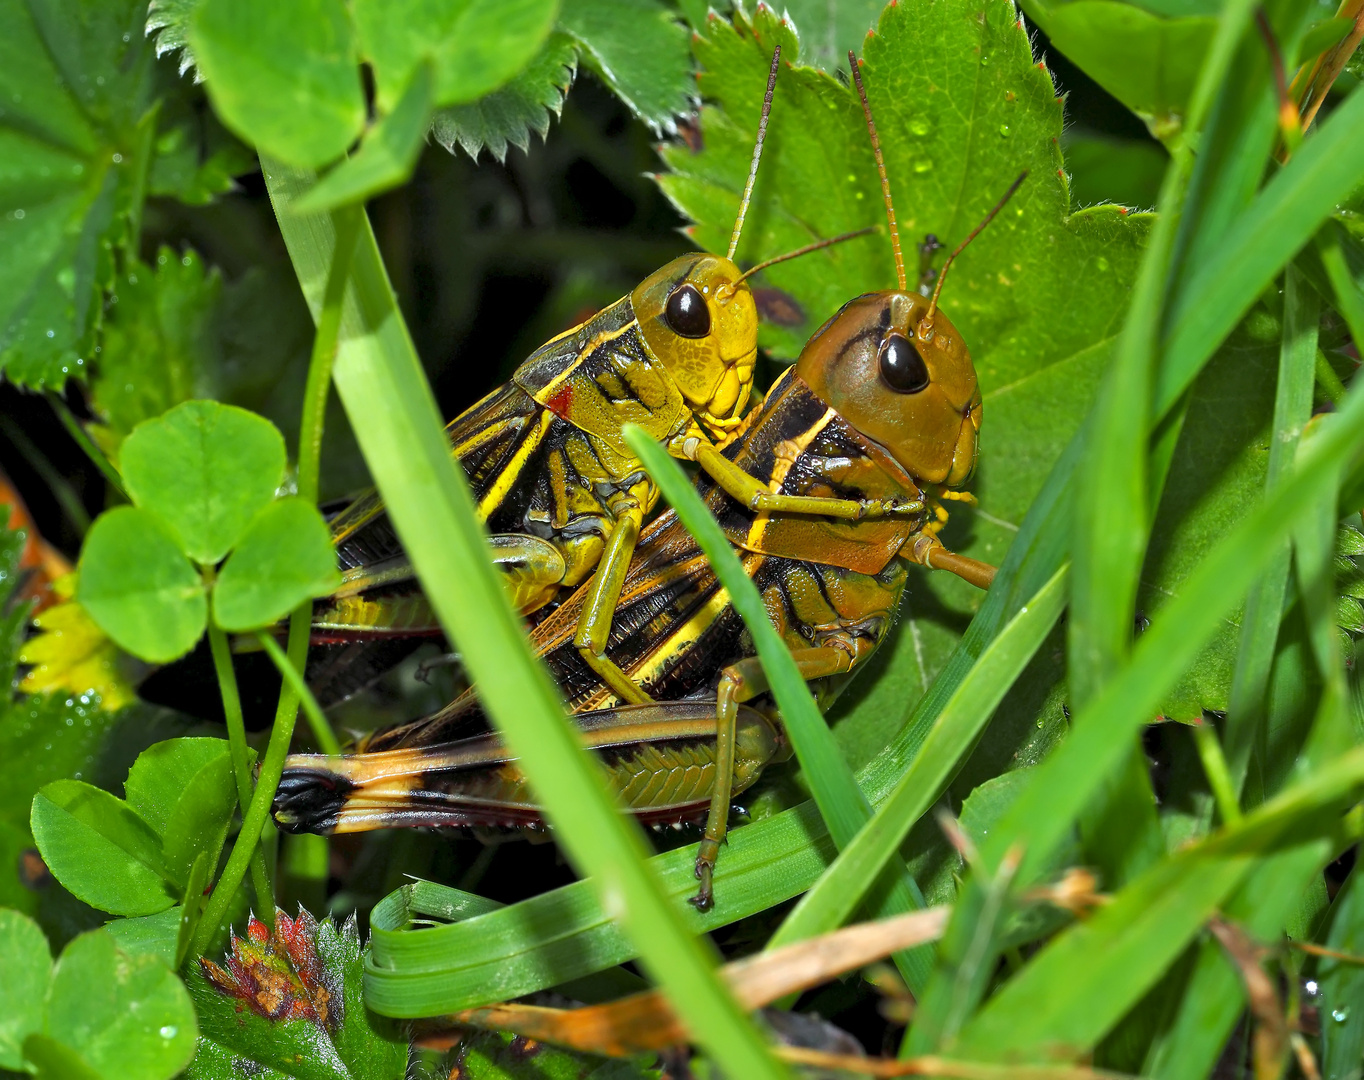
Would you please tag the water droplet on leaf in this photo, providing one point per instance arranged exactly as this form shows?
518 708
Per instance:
1004 129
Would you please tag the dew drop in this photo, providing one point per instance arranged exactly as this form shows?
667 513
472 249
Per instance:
1005 130
923 165
52 333
169 1031
118 159
920 126
852 178
984 60
1101 263
1009 95
1340 1015
18 215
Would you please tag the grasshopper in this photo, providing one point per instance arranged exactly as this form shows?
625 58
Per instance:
882 404
554 480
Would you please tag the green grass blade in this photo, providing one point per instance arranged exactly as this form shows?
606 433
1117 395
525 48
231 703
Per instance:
842 804
1342 983
1283 218
1062 785
1349 299
394 416
1264 605
837 894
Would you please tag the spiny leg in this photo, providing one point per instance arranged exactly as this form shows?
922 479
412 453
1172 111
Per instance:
739 683
594 625
751 492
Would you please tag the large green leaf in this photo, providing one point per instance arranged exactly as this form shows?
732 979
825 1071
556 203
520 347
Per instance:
639 50
282 76
476 45
284 558
828 30
184 789
206 470
75 77
125 1017
98 847
25 966
139 588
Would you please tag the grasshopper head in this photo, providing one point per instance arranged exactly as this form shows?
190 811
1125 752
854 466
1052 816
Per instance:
902 378
698 318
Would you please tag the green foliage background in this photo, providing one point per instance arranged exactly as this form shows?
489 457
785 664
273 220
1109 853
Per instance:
146 263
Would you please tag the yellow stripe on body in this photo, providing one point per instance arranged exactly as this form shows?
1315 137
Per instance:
781 466
509 475
598 340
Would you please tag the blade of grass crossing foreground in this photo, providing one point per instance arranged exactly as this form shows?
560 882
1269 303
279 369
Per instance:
842 804
1342 983
1349 299
394 416
1264 605
1283 218
838 892
1061 786
1113 507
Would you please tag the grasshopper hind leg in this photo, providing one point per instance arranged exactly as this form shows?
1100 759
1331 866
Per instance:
532 569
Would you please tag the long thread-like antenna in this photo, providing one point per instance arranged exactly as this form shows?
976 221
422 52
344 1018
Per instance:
942 275
816 246
881 168
757 154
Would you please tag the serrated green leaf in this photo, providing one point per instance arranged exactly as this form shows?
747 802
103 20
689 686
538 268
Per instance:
285 557
282 76
386 158
639 50
510 114
195 158
313 1027
127 1017
476 45
206 470
75 79
25 966
168 24
139 588
828 30
98 848
159 343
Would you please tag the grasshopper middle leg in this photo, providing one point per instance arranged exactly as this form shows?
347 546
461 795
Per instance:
739 683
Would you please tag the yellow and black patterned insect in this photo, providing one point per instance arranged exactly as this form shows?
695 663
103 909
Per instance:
883 404
555 482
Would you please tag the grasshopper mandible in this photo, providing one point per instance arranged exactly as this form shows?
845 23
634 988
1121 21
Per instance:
883 403
554 480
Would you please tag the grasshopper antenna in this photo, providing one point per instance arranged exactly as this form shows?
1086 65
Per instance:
942 275
757 154
816 246
881 168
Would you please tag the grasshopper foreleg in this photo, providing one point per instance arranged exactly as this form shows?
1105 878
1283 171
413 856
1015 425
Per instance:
739 683
753 494
594 626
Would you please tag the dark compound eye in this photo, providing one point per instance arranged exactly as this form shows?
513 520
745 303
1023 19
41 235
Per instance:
901 365
687 313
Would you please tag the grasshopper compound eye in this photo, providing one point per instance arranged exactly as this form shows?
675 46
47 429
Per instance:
687 313
902 368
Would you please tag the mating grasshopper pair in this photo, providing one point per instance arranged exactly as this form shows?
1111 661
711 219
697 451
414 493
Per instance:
881 411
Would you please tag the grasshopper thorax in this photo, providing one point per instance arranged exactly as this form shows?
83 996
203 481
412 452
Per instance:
699 320
903 379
